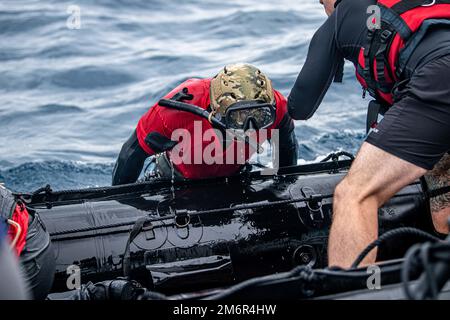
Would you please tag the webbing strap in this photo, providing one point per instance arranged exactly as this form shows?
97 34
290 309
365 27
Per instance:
368 64
438 192
378 44
393 19
406 5
375 50
373 110
385 38
137 227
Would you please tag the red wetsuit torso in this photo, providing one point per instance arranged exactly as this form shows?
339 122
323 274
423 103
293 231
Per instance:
165 121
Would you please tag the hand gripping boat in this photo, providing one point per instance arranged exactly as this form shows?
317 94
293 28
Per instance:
184 236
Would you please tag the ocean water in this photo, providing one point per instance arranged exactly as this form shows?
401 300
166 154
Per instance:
70 97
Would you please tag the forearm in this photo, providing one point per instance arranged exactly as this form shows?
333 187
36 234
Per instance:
130 162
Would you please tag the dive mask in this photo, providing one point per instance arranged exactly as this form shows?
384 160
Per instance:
250 114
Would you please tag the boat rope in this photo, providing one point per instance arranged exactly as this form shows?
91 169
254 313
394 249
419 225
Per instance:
303 273
337 155
425 257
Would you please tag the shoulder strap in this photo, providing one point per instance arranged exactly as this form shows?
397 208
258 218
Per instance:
406 5
378 43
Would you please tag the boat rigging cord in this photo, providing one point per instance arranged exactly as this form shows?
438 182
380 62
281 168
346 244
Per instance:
301 273
434 260
337 155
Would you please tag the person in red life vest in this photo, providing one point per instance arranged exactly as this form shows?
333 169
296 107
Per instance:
30 242
12 284
198 131
401 51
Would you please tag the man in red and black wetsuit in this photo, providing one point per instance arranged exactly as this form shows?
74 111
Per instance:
404 63
239 96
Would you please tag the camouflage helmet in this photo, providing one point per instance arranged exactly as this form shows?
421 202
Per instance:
239 82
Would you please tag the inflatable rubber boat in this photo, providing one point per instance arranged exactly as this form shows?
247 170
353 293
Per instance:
183 236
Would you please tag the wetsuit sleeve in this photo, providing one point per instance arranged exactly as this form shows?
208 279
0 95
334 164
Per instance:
288 142
322 63
130 162
287 146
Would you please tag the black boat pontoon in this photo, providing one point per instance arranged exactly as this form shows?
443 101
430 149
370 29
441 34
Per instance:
187 236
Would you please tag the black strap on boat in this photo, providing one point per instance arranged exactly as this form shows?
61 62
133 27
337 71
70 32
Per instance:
406 5
137 227
438 192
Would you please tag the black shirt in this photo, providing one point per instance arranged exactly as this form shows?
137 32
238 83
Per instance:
343 35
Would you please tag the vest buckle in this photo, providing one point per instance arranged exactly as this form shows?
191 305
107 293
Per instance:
385 35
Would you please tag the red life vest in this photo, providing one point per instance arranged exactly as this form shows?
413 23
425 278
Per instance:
22 218
382 61
165 121
16 216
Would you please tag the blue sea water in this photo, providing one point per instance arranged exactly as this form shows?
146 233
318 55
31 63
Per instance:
69 97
